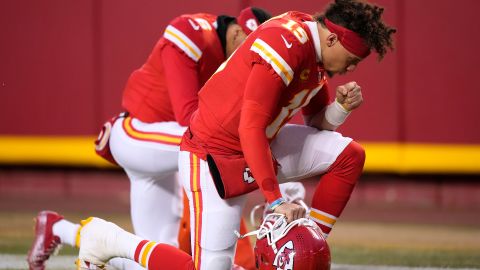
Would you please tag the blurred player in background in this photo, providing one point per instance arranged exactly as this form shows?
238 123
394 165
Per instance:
159 99
279 70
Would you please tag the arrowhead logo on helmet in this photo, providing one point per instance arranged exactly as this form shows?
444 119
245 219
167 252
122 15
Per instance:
284 258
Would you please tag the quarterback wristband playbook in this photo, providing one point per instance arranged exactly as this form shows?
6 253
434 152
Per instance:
276 203
335 114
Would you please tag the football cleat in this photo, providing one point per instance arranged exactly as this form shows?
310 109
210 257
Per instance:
45 242
96 236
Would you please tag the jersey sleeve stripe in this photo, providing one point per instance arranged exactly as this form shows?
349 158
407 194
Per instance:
268 54
183 42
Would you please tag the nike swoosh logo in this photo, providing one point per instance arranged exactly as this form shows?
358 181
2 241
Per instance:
196 27
289 45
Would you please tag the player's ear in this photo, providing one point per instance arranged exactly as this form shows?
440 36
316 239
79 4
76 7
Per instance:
239 34
235 37
332 38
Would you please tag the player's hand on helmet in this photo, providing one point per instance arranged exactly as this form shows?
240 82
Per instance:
349 95
292 211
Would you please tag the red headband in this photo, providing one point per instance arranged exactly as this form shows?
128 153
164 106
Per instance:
247 20
349 39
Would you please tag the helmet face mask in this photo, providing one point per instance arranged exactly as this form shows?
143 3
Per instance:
298 245
273 228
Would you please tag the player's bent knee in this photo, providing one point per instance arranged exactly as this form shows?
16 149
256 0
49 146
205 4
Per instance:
349 164
357 153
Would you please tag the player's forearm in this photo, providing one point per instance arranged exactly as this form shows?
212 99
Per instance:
329 119
260 100
258 156
318 121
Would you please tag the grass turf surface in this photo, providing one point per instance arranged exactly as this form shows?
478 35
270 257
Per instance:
363 243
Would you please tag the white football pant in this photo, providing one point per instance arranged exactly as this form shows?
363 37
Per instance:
148 152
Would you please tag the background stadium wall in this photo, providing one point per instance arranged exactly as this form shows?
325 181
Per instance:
63 65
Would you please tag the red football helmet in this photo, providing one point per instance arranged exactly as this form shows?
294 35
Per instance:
299 245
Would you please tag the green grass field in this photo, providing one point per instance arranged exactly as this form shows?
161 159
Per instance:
405 245
363 243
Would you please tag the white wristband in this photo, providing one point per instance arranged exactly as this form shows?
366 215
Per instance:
335 114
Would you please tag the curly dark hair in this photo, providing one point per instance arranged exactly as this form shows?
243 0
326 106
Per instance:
364 19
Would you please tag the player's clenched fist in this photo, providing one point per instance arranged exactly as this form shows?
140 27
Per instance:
349 95
292 211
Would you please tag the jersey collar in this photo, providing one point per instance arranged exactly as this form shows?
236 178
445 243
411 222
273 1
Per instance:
312 26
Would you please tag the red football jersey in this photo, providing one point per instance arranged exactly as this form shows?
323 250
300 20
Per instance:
273 75
165 88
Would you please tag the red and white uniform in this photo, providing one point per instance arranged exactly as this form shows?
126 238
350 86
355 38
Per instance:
160 98
242 112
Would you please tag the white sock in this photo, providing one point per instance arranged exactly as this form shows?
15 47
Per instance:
66 230
126 244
